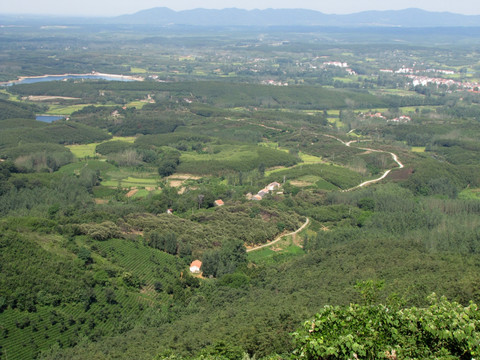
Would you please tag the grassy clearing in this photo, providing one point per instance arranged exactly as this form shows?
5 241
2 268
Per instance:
306 160
259 255
336 121
346 80
325 185
10 96
137 70
144 193
273 171
309 178
129 181
354 134
64 109
418 149
95 165
398 92
309 159
333 113
232 153
272 145
233 157
278 252
373 110
88 150
469 194
137 104
129 139
83 150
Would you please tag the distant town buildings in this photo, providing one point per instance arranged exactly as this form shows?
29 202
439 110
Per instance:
274 83
401 119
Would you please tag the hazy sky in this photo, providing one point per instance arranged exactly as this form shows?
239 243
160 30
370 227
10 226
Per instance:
120 7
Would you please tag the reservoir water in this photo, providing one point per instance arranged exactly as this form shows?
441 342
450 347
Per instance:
49 118
35 79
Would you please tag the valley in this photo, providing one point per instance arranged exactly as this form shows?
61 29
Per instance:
320 175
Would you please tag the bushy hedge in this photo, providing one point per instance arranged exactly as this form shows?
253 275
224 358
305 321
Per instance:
444 330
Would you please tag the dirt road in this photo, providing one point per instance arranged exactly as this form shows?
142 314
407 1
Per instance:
307 221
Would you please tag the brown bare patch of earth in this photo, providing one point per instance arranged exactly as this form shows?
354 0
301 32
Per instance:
299 183
184 177
175 183
101 201
131 192
47 98
400 174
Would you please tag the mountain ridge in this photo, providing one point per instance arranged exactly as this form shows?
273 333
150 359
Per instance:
411 17
163 16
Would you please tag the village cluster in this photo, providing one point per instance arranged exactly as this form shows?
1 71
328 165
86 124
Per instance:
270 188
378 115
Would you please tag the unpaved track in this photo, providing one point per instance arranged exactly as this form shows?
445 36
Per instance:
307 221
368 182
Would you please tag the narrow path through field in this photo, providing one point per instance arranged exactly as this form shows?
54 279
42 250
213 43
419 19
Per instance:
307 221
365 183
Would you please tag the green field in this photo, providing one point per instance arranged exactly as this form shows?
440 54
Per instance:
129 181
83 150
278 252
88 150
309 159
64 109
137 70
94 165
469 194
418 149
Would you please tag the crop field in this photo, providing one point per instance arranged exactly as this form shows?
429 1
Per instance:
129 181
309 159
94 165
81 151
56 109
137 70
144 193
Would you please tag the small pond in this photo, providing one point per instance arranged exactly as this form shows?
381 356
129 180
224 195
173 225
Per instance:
49 118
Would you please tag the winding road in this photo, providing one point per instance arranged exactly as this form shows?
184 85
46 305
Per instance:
307 221
365 183
368 182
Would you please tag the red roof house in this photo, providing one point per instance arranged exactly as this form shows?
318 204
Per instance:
195 266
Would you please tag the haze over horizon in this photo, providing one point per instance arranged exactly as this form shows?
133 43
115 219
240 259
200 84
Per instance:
123 7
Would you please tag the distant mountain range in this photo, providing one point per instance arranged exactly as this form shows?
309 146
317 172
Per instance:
162 16
296 17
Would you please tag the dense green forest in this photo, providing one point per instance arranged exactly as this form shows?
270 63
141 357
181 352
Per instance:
335 208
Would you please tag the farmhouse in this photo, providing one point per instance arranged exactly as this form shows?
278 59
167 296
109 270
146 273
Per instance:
218 202
262 193
195 266
273 186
